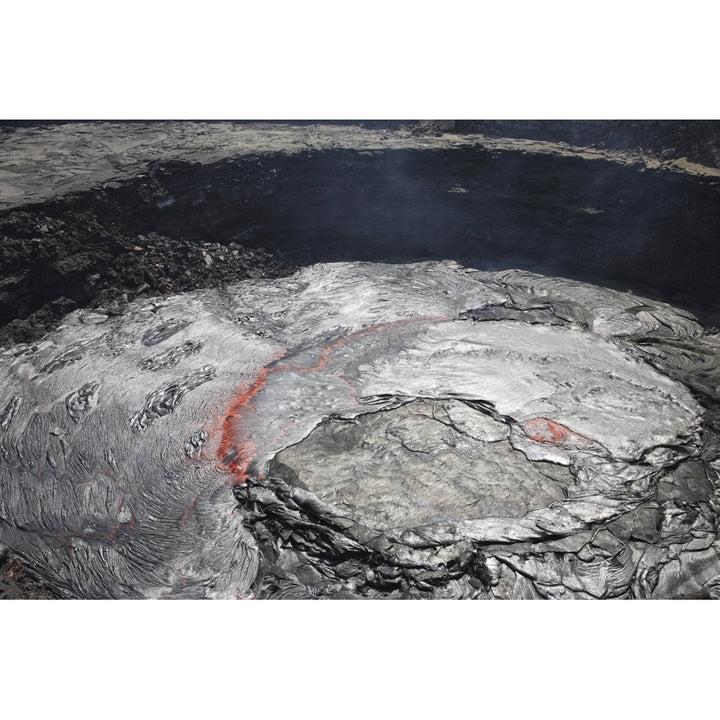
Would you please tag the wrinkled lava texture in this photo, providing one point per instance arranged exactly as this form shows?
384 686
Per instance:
362 429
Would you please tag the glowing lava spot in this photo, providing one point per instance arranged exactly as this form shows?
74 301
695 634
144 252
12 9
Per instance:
542 430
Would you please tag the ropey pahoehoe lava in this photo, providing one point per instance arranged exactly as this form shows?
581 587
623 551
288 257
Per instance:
368 430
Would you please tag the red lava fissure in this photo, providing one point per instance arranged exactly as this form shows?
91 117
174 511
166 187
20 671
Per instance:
237 457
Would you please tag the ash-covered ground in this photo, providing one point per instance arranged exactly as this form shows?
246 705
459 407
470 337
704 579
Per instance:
96 216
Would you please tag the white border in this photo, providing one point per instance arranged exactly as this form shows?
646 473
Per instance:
378 59
312 60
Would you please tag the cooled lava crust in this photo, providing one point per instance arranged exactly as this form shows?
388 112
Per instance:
367 430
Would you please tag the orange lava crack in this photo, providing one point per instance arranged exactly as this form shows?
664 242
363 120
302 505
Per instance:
237 457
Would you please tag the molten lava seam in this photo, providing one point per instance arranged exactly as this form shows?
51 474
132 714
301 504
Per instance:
236 456
542 430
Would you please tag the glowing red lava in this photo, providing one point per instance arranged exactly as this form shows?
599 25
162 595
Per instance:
236 451
237 458
542 430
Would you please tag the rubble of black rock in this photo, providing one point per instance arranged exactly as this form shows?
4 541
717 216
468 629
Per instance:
53 265
16 583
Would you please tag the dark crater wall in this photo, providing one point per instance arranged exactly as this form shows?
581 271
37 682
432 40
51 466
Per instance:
183 225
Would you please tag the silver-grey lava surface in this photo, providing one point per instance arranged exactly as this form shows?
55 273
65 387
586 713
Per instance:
368 430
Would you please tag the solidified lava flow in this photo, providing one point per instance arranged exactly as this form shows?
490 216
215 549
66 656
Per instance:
205 392
421 430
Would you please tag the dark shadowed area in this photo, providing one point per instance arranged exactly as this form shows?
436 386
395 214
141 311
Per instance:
653 232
